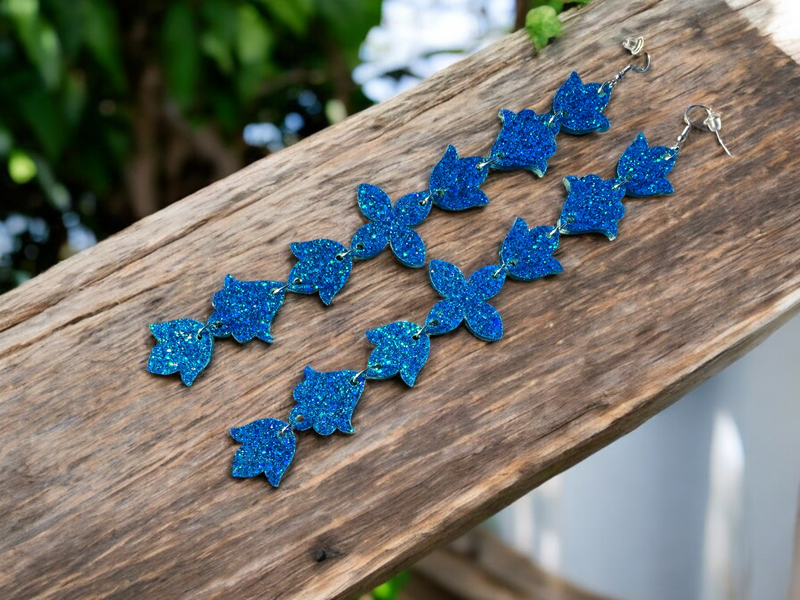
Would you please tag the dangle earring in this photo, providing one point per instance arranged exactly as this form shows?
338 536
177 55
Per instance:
245 309
325 401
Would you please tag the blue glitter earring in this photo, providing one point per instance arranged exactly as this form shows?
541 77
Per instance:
325 401
245 309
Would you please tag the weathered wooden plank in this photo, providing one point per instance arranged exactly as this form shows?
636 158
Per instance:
115 482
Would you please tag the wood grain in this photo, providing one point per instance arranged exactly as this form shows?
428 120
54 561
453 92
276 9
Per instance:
115 482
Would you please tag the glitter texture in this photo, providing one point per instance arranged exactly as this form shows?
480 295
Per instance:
644 170
391 225
580 107
455 182
324 267
183 345
400 347
526 141
528 253
465 300
325 401
245 309
592 205
267 447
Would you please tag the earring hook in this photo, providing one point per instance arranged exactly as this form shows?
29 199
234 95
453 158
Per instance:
634 45
713 122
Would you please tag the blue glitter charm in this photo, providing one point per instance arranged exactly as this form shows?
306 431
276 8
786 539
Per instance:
579 107
643 170
267 447
324 267
183 345
455 182
465 300
325 401
245 309
592 205
528 253
526 141
400 347
391 225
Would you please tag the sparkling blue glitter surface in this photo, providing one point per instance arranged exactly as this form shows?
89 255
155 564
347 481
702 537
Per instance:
391 225
267 447
324 267
580 107
526 141
401 348
528 253
183 345
245 309
645 169
325 401
592 205
455 182
465 300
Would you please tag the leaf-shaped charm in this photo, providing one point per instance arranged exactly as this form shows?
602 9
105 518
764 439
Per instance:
245 309
455 182
528 253
183 346
579 108
267 447
592 205
400 347
390 225
324 266
465 300
526 141
325 401
643 170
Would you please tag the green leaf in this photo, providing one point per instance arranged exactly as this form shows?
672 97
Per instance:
220 34
42 113
557 5
254 38
38 38
349 22
180 53
101 35
542 24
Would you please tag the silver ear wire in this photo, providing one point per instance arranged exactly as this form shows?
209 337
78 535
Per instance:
634 45
713 122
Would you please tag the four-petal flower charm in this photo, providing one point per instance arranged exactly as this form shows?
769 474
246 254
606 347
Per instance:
643 170
455 182
526 141
325 401
182 346
465 300
400 347
579 107
267 447
391 225
592 205
324 267
245 309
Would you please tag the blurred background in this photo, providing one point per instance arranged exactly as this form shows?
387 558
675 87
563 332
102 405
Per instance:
111 110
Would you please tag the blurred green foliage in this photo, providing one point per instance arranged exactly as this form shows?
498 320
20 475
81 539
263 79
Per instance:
110 110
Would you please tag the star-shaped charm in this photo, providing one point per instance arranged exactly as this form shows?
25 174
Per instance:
400 347
528 253
391 225
325 401
465 300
